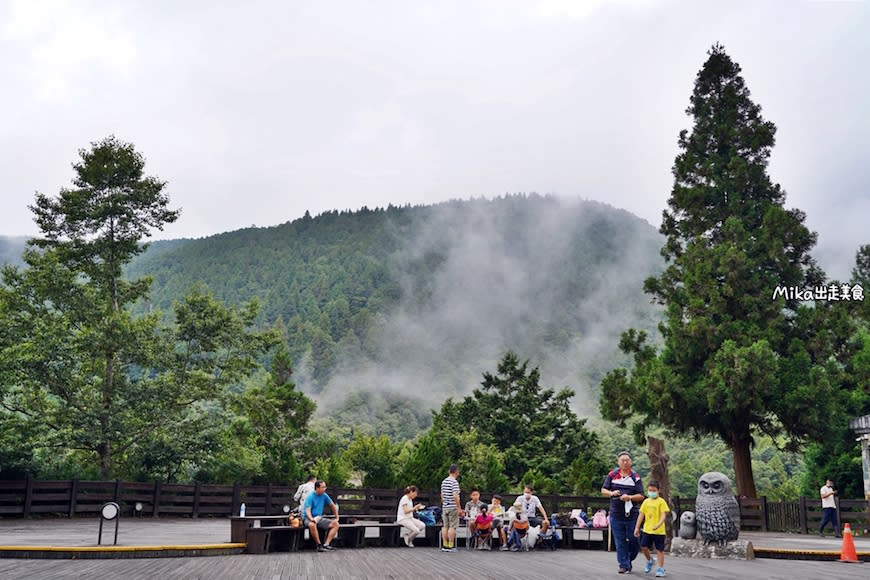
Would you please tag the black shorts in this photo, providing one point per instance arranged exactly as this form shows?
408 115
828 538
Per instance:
535 521
650 540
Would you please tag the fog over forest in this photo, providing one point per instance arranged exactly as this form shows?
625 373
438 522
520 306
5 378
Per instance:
556 281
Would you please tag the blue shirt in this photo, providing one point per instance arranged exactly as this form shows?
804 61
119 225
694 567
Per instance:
316 503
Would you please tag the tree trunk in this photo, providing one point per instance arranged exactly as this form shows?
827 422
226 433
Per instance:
658 463
105 452
106 409
740 448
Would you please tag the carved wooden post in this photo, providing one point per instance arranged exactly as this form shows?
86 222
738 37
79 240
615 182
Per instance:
658 463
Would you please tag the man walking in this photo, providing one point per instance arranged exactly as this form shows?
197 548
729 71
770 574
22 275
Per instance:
829 507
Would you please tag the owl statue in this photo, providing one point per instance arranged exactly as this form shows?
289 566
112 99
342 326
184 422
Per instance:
687 526
716 509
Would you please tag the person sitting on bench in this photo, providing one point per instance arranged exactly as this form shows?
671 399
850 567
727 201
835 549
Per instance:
531 506
405 515
315 520
499 517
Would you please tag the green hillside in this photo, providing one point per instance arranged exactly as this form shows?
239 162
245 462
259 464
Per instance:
410 303
11 248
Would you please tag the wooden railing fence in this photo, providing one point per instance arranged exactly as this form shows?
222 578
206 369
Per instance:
30 497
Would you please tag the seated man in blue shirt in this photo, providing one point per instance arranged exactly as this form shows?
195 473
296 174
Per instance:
315 520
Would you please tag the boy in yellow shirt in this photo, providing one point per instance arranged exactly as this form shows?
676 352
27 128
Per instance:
653 512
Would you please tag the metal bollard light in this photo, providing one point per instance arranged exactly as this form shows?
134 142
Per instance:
109 511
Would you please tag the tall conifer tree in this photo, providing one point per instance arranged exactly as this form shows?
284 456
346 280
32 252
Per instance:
735 359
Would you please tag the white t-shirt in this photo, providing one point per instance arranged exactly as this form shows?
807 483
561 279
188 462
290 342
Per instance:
827 502
530 506
404 504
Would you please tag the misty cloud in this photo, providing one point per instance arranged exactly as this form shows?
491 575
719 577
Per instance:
556 281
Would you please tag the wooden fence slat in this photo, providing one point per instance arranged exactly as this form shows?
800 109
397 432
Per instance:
803 514
196 494
155 503
73 490
28 494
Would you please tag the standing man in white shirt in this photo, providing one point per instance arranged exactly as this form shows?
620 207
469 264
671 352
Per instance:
829 507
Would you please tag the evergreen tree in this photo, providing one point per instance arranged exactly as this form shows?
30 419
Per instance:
74 360
531 427
737 358
276 414
374 458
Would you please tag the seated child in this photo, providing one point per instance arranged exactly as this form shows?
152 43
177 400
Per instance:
483 521
472 508
499 517
519 527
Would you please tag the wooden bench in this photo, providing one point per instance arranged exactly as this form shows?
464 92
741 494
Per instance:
576 537
389 531
239 525
264 540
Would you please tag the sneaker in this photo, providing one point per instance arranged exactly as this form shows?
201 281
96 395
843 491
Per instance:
445 549
320 548
328 548
648 567
504 548
660 573
622 570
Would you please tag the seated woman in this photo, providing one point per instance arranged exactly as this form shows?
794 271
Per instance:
405 515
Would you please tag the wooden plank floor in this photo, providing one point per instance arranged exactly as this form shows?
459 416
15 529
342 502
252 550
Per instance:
418 564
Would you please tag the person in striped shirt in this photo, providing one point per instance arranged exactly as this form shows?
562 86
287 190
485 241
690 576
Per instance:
450 511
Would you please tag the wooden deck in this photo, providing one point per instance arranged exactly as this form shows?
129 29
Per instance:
418 563
371 562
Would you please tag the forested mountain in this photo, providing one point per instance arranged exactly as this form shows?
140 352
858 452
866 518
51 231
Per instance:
11 248
393 310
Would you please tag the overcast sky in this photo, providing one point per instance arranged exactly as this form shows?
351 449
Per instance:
255 112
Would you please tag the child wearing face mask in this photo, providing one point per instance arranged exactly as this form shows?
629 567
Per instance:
653 512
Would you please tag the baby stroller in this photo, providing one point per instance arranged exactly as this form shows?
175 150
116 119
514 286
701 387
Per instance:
482 538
